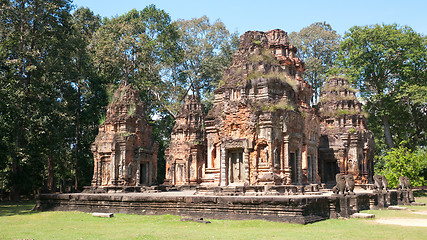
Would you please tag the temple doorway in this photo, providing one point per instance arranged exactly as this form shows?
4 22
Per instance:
144 174
105 171
293 166
235 166
180 173
331 170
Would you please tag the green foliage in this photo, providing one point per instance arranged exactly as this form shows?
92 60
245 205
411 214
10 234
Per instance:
131 109
318 45
273 75
402 161
208 49
265 56
257 42
140 47
336 98
386 63
341 112
281 105
340 88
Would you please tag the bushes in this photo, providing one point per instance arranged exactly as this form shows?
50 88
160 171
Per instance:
402 161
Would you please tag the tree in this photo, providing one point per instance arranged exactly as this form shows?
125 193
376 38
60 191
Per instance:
35 54
385 62
87 95
402 161
317 45
139 47
208 50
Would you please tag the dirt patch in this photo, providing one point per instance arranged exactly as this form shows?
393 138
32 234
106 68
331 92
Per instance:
410 222
421 212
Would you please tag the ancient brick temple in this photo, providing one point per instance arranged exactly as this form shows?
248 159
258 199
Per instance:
124 151
346 146
186 155
261 129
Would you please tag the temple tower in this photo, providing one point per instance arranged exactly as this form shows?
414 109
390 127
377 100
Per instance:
346 145
186 154
262 129
124 151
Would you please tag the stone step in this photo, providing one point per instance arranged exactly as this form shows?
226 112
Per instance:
363 215
106 215
397 208
417 204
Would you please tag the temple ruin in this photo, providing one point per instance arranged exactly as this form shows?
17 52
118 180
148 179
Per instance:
261 152
185 157
124 151
346 145
261 129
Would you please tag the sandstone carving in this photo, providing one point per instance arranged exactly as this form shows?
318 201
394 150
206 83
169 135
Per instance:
340 187
378 181
401 183
346 145
385 182
186 155
262 129
407 183
349 182
124 151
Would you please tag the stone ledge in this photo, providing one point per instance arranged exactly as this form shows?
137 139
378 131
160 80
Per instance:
362 215
105 215
397 208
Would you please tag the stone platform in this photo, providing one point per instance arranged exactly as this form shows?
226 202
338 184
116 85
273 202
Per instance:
300 209
293 209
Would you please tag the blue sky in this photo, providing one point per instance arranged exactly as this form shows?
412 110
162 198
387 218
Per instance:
242 16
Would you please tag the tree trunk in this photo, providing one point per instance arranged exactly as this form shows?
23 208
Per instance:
76 176
387 132
50 178
14 189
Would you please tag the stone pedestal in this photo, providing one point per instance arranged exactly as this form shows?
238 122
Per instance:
403 197
339 206
353 203
380 199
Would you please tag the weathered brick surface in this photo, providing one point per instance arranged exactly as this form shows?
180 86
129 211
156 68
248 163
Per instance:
186 154
124 151
261 129
346 145
304 209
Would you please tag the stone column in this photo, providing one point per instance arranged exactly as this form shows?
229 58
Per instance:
246 165
210 148
122 164
285 162
95 169
316 166
299 167
223 166
138 172
113 163
304 161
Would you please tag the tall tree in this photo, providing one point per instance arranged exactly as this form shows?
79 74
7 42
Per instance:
35 52
88 95
208 49
386 62
317 45
139 47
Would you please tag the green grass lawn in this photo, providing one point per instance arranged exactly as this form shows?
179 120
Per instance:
18 222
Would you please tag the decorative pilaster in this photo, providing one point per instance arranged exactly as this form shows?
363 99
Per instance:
246 165
223 166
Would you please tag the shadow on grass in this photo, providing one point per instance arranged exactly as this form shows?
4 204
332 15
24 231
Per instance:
16 208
